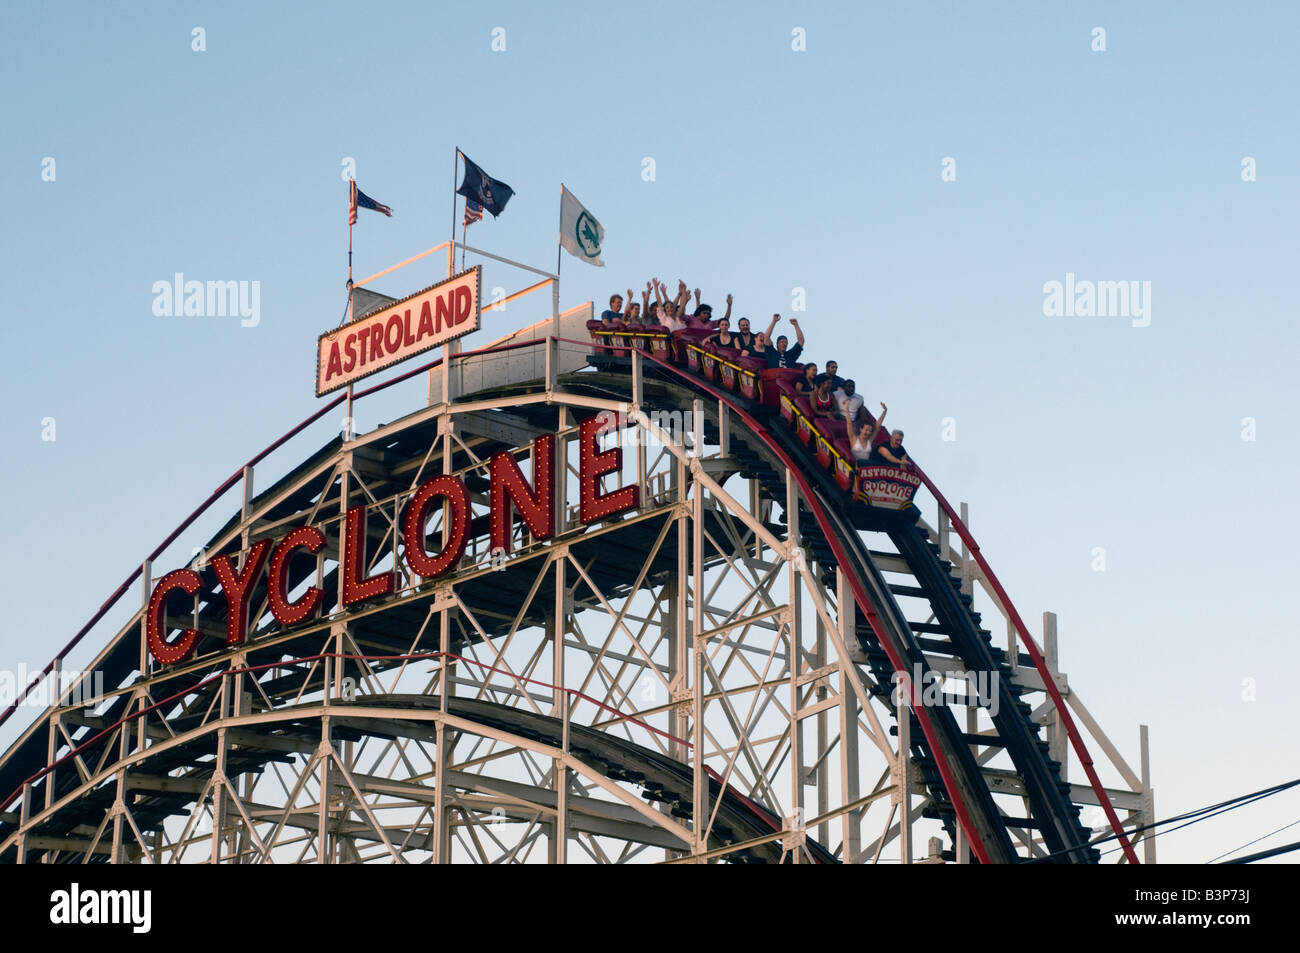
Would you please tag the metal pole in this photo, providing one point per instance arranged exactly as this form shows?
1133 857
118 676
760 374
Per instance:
1148 813
455 169
447 349
559 773
793 634
851 835
441 813
555 288
699 799
903 774
348 432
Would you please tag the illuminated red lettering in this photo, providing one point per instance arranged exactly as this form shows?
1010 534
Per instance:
507 485
163 651
238 588
356 589
593 463
455 526
277 591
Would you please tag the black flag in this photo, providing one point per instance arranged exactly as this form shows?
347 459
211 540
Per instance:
492 194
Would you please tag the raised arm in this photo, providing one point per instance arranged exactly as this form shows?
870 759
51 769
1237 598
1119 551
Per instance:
798 331
645 300
880 421
771 327
727 316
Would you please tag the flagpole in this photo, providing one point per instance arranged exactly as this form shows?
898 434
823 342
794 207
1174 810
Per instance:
450 348
559 249
352 185
455 171
462 244
347 412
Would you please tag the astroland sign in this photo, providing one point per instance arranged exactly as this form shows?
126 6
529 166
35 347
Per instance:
436 315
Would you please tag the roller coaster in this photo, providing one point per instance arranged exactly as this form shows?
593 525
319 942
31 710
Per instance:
733 663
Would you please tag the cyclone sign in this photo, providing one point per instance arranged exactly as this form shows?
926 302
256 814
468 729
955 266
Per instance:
887 487
267 567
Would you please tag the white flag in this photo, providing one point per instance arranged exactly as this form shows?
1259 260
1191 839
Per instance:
580 234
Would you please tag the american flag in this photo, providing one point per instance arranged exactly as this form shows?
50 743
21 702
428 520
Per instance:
358 199
473 212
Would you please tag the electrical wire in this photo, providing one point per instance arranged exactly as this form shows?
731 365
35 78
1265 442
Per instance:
1255 841
1271 852
1191 817
1205 813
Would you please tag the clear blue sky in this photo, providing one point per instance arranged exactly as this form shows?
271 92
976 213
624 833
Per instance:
775 169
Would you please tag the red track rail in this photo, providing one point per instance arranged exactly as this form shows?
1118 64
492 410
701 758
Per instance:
1076 739
864 603
859 594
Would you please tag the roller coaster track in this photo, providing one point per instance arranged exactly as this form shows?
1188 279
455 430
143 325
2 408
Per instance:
958 788
943 747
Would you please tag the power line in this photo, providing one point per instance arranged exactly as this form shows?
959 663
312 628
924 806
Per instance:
1255 841
1212 810
1272 852
1191 817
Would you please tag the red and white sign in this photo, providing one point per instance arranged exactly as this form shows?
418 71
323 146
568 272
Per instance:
887 487
403 329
